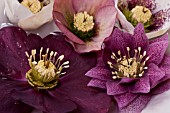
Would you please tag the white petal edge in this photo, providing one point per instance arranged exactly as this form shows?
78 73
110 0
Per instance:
18 14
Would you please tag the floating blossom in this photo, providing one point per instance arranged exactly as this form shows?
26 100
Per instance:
85 23
46 74
132 69
154 14
29 14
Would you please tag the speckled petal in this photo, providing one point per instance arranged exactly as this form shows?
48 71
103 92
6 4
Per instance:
162 87
137 105
100 73
142 86
140 37
156 51
114 88
158 39
125 99
97 83
155 74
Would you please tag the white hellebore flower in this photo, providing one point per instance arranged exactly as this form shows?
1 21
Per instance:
29 14
154 14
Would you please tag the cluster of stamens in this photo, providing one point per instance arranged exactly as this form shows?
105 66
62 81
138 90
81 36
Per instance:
83 22
141 14
35 5
127 66
44 74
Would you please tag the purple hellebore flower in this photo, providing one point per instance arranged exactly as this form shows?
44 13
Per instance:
132 69
86 23
154 14
50 79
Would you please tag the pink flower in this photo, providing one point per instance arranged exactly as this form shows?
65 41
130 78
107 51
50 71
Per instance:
86 23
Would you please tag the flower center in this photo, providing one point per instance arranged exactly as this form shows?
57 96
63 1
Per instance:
83 22
45 73
141 14
126 66
35 5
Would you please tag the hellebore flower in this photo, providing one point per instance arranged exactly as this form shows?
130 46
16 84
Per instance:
47 74
132 69
86 23
154 14
29 14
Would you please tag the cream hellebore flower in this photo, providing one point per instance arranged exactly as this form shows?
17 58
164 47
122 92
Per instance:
153 14
29 14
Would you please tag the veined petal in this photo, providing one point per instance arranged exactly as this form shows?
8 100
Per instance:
90 6
125 99
156 51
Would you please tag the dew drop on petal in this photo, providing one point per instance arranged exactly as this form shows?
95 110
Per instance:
19 45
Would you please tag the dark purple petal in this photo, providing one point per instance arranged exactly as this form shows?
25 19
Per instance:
141 86
100 72
75 87
114 88
140 37
156 51
45 102
14 42
97 83
137 105
125 98
9 104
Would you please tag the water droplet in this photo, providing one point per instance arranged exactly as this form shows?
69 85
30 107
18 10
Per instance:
16 102
3 78
19 45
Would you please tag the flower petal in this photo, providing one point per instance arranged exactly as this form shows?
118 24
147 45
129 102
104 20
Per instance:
137 105
122 19
14 43
99 72
162 87
125 99
97 83
142 86
75 87
156 51
140 38
64 7
9 104
162 38
114 88
44 101
90 6
69 34
104 25
155 74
